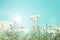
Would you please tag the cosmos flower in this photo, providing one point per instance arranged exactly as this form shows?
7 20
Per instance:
34 17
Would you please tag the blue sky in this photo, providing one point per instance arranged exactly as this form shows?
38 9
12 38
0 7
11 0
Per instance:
49 10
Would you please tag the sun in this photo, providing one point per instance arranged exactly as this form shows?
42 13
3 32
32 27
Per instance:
17 19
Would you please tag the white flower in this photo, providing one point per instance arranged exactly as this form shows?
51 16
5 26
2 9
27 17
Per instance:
52 31
35 17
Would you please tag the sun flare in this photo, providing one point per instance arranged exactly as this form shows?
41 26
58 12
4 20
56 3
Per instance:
17 19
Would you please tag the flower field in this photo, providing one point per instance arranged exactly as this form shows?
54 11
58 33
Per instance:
11 31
